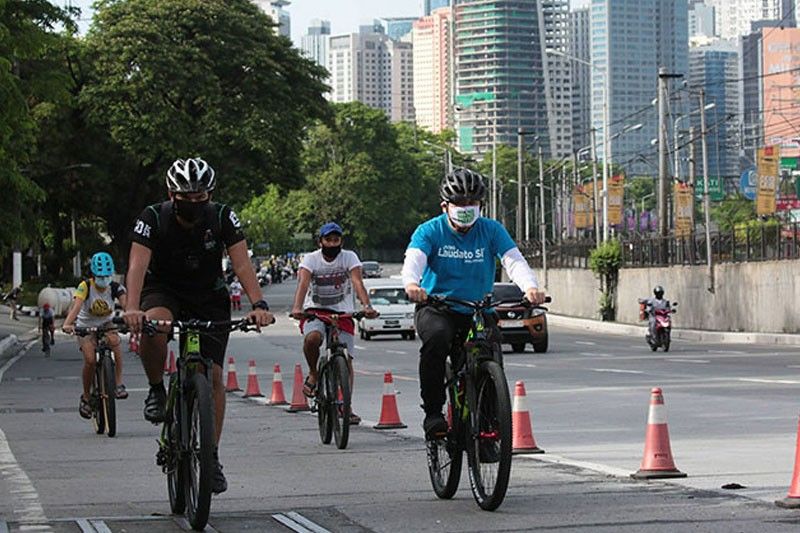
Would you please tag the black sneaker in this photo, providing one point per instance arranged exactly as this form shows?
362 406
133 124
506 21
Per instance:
488 451
434 425
154 404
219 484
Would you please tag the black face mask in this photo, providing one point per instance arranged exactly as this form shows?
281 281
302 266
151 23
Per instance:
330 252
189 211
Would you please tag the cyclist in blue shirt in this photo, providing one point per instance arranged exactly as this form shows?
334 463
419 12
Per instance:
454 255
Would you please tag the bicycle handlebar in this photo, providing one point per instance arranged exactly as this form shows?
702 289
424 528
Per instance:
482 304
83 332
326 317
195 324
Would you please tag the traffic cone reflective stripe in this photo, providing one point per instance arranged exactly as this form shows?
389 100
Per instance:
792 500
252 381
277 397
390 417
299 402
657 461
233 382
522 441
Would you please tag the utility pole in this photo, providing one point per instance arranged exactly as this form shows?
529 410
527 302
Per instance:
662 153
493 203
706 199
692 162
519 185
594 189
542 228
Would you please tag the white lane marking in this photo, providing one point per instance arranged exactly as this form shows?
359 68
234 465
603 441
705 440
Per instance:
401 352
26 504
357 347
184 524
100 526
596 354
85 526
586 343
775 381
521 365
792 366
698 361
617 371
9 363
727 352
299 523
33 527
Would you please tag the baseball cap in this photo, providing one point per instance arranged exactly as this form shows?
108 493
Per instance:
328 228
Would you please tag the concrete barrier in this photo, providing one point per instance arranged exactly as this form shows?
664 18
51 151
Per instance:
59 299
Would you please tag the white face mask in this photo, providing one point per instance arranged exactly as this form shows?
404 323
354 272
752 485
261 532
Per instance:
102 282
463 217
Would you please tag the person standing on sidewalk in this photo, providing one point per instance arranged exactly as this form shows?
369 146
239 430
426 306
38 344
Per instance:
11 298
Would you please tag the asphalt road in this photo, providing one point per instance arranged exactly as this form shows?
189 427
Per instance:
731 410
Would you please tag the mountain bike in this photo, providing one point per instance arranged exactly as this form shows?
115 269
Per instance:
332 399
478 411
103 397
186 445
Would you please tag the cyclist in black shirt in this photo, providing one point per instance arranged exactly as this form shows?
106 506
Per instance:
175 271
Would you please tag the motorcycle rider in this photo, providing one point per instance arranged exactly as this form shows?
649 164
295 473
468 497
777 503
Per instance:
653 304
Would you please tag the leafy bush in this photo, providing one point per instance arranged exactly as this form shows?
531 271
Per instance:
605 261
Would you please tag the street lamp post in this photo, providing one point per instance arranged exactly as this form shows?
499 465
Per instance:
606 140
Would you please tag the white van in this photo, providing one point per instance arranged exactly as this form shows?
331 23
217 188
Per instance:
388 297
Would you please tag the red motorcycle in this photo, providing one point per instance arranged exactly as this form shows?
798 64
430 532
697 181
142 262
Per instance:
663 329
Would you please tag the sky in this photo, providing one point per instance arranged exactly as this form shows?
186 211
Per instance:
345 15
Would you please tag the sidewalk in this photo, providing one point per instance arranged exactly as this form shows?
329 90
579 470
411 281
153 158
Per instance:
14 331
733 337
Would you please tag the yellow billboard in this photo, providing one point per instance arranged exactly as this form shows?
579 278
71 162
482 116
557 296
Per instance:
684 209
768 168
616 195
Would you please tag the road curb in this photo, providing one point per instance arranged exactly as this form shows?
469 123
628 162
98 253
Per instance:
734 337
7 343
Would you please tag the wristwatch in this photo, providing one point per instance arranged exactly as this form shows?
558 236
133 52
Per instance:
261 304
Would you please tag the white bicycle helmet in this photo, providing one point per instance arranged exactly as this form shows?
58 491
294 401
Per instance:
190 175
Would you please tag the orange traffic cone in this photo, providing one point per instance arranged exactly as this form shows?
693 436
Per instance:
169 364
657 462
277 397
522 441
233 382
390 417
252 381
792 500
299 402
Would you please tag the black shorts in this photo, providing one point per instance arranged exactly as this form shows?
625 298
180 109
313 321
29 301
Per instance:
192 303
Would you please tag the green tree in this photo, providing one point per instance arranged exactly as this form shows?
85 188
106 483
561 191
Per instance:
733 211
180 78
264 221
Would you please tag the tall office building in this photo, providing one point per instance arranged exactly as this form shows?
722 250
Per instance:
708 65
432 84
274 8
580 74
430 5
374 69
314 43
733 17
631 39
558 80
396 27
701 20
500 74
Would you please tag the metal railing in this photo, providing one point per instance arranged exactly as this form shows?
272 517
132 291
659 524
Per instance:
756 242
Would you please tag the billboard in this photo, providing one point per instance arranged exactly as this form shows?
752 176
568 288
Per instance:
768 165
781 89
684 209
582 207
616 193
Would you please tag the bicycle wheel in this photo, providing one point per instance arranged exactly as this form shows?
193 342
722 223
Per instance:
445 456
339 378
489 454
200 451
96 401
108 397
324 414
176 465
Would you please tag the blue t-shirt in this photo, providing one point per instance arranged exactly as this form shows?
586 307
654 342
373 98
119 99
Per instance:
460 265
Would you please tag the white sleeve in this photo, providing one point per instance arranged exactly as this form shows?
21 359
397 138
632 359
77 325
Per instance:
518 270
353 260
413 266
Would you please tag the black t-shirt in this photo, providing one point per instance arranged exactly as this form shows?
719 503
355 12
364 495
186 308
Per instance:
187 258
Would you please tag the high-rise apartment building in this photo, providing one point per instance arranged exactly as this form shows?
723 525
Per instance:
580 75
314 43
708 66
701 20
430 5
274 8
733 17
558 80
631 39
374 69
500 73
432 84
781 89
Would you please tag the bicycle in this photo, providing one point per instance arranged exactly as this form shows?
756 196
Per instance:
46 340
332 399
102 399
478 413
186 444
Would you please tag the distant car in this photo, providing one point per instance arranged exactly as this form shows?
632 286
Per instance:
371 269
388 297
518 325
